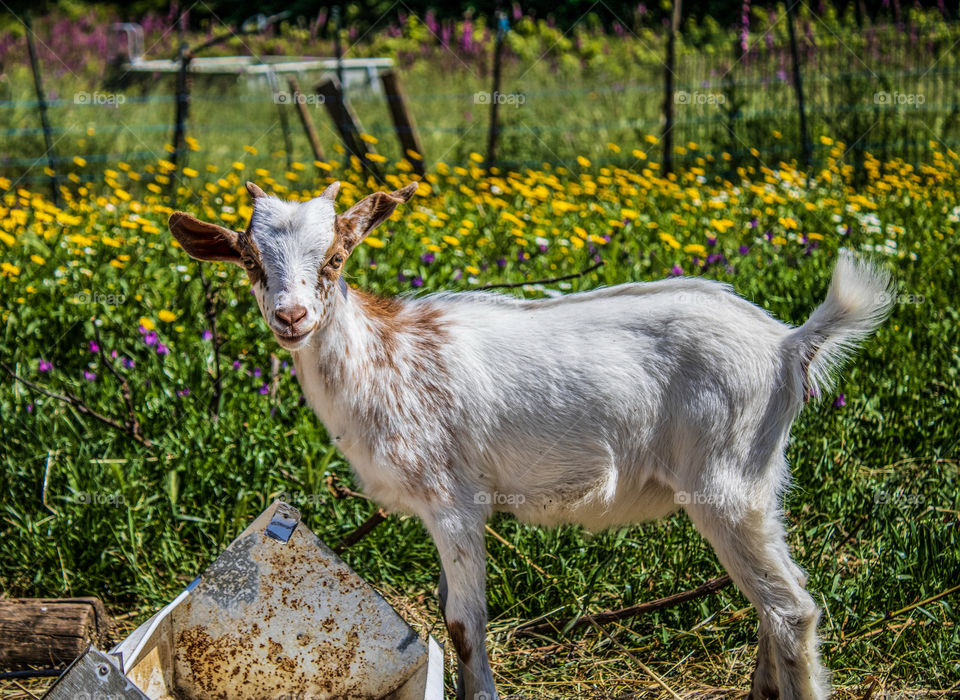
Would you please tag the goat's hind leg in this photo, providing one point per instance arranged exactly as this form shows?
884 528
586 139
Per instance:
753 550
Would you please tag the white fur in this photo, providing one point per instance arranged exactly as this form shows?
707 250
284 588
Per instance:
601 408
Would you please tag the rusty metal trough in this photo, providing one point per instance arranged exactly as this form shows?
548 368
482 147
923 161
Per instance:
276 615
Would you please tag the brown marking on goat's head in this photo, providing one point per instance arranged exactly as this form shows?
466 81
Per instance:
351 227
252 261
359 220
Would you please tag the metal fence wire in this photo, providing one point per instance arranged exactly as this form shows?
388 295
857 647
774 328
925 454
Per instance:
889 91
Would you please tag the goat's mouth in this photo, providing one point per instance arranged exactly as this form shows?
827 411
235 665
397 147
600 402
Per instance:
292 341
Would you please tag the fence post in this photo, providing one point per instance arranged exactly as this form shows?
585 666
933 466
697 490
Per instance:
668 99
282 112
798 87
42 106
183 108
494 130
347 124
337 47
403 122
305 119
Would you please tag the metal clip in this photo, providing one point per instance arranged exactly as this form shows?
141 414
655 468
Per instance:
283 523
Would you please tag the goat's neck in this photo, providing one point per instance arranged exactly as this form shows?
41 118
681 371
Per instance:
358 346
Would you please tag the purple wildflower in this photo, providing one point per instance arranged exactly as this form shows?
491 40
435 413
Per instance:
754 223
265 389
427 258
711 241
185 391
257 371
206 335
236 364
744 249
417 281
676 270
45 366
29 408
162 349
501 262
127 362
89 376
113 354
840 401
94 348
150 338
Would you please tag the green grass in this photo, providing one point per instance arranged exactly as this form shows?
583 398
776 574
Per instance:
875 505
872 515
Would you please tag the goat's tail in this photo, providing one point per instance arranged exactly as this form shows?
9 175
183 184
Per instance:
858 301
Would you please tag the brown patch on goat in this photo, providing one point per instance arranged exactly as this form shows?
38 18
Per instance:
458 635
252 262
332 269
411 335
384 313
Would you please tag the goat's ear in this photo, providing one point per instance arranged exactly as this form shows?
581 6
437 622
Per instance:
371 211
202 240
254 190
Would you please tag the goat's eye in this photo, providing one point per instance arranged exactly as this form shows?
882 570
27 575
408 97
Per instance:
249 263
336 261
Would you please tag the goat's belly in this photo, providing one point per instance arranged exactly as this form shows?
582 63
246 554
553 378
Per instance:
590 508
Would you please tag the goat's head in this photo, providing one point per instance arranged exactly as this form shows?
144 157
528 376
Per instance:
293 253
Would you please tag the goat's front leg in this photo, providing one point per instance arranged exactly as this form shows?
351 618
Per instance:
463 600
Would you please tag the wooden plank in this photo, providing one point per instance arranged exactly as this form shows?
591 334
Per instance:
403 122
50 631
347 124
306 119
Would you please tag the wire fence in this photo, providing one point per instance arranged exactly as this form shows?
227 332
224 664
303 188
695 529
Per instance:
889 91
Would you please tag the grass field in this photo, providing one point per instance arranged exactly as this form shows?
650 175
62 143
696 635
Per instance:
95 295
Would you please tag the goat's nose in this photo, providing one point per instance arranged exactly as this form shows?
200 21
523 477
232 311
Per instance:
290 315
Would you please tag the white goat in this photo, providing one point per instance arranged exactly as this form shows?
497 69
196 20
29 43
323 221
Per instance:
601 408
